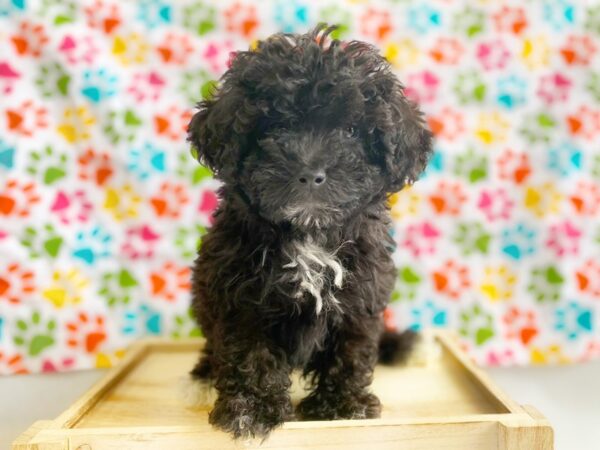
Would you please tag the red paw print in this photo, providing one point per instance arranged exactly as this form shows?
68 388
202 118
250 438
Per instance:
448 124
421 238
17 198
95 166
448 198
495 204
103 16
514 167
58 365
510 20
588 278
376 24
140 242
170 281
520 324
12 364
71 208
217 54
146 86
29 39
175 49
170 200
447 51
8 78
173 123
492 55
578 50
451 280
86 333
586 201
592 351
77 50
15 283
241 19
563 239
554 87
584 123
422 87
26 118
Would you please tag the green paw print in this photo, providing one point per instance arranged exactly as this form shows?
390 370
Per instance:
546 284
188 240
116 287
122 126
188 167
35 335
60 11
592 22
53 80
469 21
471 165
476 324
42 241
184 326
471 237
197 85
469 87
336 15
593 86
538 128
595 167
407 284
199 17
49 165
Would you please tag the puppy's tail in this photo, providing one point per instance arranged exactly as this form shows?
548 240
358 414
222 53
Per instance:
395 348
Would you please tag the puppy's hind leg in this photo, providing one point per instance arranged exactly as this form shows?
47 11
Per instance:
204 368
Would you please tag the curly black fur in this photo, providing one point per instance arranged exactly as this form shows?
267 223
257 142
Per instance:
309 137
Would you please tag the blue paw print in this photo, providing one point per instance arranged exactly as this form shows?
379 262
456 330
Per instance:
435 165
428 315
146 160
10 6
92 245
564 159
98 85
423 18
141 321
7 155
559 14
291 15
154 13
1 328
573 320
518 241
512 91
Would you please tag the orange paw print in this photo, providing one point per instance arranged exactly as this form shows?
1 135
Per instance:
95 166
511 20
376 24
514 166
448 124
241 19
169 200
17 198
170 281
86 333
12 364
448 198
175 49
447 51
103 15
173 123
29 39
588 278
585 123
578 50
389 319
15 283
26 119
586 201
451 280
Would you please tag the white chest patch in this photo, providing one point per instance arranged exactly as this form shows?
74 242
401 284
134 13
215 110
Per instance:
312 264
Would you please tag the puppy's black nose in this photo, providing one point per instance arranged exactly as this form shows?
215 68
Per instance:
313 178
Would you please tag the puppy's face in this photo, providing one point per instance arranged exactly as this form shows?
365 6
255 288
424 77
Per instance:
308 133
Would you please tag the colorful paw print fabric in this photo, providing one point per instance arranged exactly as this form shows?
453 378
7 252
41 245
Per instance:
102 207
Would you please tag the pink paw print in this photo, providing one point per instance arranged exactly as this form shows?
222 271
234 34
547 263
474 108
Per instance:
586 200
520 324
26 119
448 198
495 204
376 24
584 123
554 87
448 124
57 365
74 207
17 198
103 15
493 55
422 87
242 19
563 239
421 239
501 357
30 39
510 20
140 242
172 123
217 55
146 86
447 51
588 278
175 49
78 50
514 166
8 78
592 351
578 50
208 203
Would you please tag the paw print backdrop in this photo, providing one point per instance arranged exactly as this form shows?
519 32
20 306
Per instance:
102 207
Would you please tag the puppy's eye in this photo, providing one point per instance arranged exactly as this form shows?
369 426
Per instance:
351 131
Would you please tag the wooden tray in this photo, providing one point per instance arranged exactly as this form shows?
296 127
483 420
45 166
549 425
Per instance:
442 402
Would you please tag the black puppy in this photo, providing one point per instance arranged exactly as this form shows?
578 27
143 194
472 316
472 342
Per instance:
309 137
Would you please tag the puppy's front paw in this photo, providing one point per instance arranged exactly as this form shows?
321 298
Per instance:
330 406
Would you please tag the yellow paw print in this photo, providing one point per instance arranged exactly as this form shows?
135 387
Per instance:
535 52
66 288
404 203
402 54
491 128
542 200
122 202
108 360
553 354
498 283
76 124
130 49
